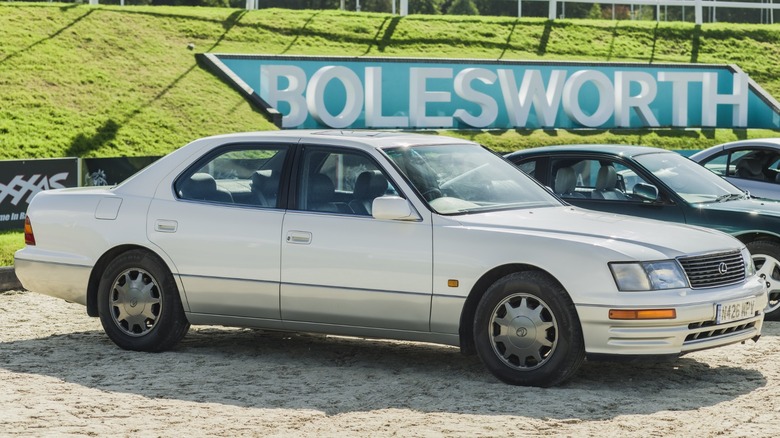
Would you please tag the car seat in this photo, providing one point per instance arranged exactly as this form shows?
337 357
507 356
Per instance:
606 184
369 185
565 183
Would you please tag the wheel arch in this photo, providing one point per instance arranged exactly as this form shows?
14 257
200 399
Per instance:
753 236
100 267
466 326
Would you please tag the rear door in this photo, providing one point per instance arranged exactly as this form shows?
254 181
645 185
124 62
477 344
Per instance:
222 228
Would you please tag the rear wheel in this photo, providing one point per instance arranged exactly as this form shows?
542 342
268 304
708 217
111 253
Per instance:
526 331
139 304
766 257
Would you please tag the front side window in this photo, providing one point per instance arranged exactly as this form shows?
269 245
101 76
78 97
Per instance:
243 175
339 181
752 164
455 179
595 179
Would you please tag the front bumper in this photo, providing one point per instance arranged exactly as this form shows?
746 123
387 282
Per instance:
693 329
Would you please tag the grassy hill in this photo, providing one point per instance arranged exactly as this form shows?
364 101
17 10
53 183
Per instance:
78 80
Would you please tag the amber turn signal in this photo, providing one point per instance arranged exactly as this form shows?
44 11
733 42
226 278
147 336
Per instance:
643 314
453 283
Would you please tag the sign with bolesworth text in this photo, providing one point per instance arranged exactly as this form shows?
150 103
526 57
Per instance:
404 93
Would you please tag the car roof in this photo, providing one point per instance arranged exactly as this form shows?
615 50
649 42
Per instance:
609 149
366 139
771 142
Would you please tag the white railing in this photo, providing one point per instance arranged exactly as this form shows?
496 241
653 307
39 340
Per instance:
698 5
767 7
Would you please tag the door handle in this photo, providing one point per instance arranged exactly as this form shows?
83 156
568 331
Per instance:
165 226
299 237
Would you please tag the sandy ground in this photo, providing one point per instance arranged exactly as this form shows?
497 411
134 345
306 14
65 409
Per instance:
61 376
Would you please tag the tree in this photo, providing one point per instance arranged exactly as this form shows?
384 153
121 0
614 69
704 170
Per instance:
595 12
429 7
463 7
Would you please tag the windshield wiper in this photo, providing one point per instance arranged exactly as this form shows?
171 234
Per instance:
731 196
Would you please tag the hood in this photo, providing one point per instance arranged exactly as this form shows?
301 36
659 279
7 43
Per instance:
764 207
635 237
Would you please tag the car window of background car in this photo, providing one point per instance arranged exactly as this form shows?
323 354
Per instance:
247 176
689 180
528 167
595 179
338 181
465 178
751 164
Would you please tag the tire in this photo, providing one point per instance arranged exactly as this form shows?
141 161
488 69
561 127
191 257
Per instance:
766 257
542 344
139 304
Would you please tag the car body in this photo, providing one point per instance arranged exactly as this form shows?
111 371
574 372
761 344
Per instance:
660 184
387 235
752 165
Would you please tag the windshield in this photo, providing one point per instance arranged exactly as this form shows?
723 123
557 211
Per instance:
465 179
692 182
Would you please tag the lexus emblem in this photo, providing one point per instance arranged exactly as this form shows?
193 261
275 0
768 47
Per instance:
723 268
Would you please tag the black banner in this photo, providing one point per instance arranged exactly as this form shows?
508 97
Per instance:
20 180
111 171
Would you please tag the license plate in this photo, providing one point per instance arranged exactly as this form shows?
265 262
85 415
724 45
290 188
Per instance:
735 310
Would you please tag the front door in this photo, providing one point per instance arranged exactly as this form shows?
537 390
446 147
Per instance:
341 266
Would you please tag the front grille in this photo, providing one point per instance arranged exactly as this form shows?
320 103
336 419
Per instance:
714 270
708 330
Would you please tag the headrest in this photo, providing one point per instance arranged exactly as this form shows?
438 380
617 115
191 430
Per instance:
607 178
321 188
565 180
198 186
370 184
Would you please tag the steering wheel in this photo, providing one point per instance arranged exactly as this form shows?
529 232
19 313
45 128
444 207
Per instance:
432 193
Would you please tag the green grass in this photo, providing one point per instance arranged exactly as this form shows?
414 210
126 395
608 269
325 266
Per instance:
10 241
91 81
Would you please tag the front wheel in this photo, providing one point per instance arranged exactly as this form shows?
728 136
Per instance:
139 304
526 331
766 257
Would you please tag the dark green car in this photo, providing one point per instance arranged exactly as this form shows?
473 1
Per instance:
661 184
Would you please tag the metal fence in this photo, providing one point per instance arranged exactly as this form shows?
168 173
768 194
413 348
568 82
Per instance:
704 10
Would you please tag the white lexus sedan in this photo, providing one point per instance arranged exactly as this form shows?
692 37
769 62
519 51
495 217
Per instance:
386 235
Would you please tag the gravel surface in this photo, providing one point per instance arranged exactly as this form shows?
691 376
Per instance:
61 376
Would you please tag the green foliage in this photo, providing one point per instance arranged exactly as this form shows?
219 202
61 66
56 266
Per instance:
463 7
595 12
10 241
430 7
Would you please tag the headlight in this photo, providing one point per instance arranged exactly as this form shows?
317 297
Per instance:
664 274
750 268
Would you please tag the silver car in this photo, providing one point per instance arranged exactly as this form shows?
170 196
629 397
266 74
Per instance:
752 165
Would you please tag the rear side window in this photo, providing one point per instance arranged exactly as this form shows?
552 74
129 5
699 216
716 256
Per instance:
244 175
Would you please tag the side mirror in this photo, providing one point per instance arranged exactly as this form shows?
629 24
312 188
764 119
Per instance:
646 192
393 208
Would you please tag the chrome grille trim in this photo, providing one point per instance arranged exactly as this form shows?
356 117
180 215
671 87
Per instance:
705 271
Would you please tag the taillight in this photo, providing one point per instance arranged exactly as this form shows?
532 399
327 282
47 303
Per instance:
29 236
